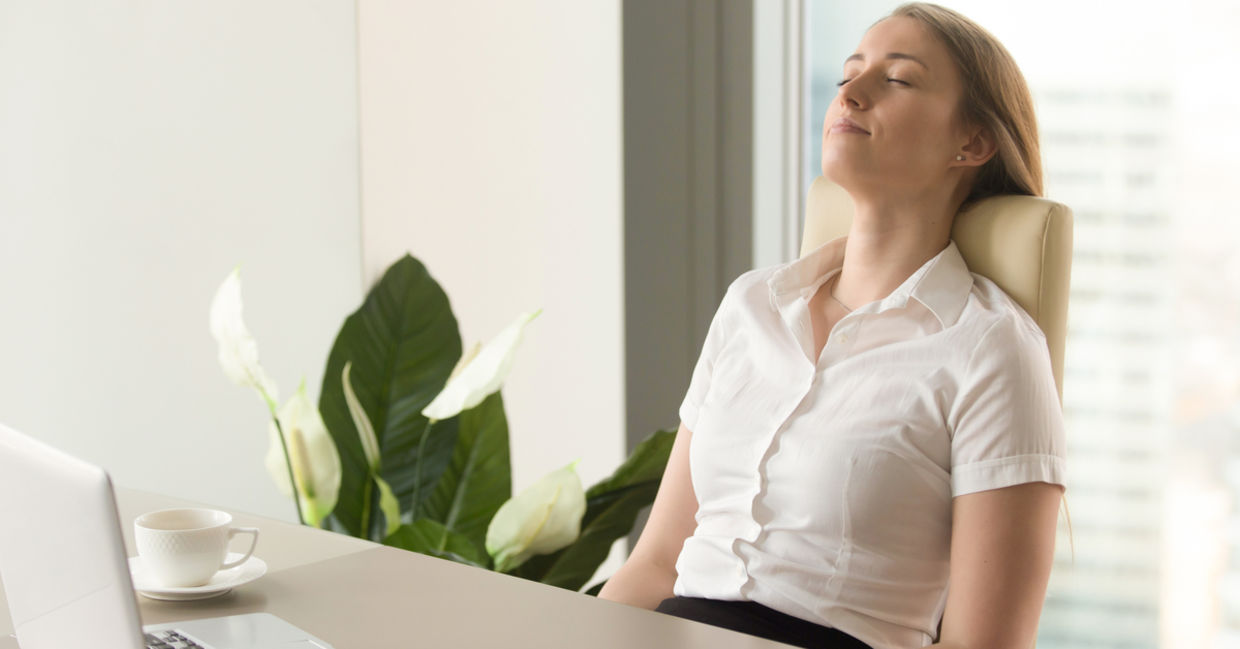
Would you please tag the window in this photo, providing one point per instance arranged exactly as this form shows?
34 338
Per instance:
1136 109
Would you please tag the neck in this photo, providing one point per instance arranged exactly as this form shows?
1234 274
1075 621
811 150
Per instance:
887 243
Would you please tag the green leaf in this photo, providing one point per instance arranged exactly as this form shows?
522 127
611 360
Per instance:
596 588
389 506
430 537
611 509
403 342
646 463
479 478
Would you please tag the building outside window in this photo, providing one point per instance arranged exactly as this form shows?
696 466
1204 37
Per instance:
1137 105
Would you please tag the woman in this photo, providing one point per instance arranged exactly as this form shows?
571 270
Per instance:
872 421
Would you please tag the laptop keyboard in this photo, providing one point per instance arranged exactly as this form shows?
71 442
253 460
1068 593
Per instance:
170 640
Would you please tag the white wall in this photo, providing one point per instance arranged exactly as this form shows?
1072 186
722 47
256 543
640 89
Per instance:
148 148
491 150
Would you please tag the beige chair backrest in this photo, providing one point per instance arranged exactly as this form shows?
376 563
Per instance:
1021 243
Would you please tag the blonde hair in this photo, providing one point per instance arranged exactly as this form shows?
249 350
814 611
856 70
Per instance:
995 97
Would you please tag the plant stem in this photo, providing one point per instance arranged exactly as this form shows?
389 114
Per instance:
417 471
366 491
288 463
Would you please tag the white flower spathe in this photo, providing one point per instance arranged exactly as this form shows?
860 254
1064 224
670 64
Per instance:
365 430
370 449
540 520
238 352
476 379
313 455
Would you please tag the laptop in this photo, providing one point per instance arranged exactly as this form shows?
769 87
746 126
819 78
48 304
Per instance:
66 574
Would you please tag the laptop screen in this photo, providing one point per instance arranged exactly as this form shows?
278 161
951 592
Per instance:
62 555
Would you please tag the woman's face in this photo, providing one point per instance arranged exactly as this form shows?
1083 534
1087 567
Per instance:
894 125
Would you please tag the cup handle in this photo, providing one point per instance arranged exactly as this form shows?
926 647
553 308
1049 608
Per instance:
233 531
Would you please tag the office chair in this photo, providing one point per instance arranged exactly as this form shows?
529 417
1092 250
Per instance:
1021 243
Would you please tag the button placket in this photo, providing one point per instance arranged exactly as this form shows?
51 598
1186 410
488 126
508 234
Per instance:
753 528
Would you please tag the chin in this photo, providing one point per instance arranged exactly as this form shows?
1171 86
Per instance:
837 168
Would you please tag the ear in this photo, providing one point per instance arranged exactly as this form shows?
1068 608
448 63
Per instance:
977 150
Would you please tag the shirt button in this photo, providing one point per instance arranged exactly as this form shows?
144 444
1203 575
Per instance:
843 338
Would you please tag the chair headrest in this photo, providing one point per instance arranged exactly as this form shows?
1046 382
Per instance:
1021 243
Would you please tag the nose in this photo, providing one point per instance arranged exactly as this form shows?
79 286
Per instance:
852 94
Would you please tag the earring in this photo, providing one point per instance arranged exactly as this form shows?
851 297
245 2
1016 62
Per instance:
959 158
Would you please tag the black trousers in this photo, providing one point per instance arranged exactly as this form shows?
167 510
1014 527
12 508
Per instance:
756 619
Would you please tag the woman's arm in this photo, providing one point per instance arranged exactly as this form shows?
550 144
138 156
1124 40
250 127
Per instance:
647 576
1003 544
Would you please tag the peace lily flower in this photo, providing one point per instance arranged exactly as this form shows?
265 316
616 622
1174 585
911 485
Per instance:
238 351
540 520
312 455
238 355
370 449
479 373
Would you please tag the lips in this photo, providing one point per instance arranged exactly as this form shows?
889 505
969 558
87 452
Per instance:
845 125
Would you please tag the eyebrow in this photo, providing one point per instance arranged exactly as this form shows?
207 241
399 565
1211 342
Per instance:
893 55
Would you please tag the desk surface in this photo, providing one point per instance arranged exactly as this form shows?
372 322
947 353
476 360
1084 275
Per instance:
357 595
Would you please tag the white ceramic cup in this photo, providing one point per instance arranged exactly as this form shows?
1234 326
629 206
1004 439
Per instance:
186 547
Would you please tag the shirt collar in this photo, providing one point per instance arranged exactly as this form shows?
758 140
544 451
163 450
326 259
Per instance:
942 284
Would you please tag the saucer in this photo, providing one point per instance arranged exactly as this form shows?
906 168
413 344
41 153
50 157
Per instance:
221 583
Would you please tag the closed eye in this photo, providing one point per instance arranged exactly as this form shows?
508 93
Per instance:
890 79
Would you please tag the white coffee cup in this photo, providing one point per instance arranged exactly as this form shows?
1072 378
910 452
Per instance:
186 547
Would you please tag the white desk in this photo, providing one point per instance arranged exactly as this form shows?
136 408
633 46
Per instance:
360 595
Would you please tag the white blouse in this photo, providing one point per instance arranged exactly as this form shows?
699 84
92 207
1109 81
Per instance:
824 485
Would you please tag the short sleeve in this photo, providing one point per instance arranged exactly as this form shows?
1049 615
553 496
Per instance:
699 383
1007 422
